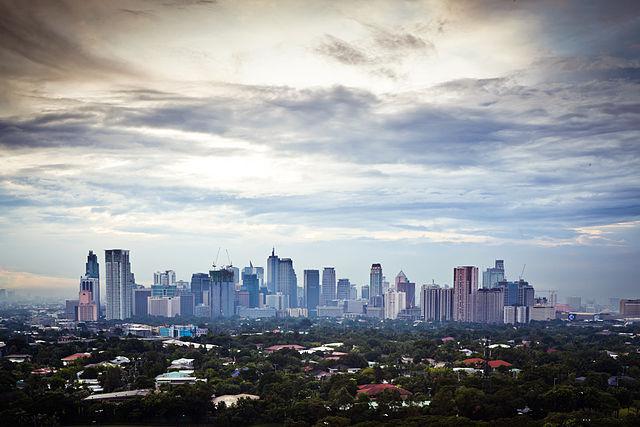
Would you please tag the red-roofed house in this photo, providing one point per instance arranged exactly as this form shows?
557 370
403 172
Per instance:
77 356
493 364
373 390
282 347
473 361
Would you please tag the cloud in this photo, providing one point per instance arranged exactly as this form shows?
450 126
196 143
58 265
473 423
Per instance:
342 51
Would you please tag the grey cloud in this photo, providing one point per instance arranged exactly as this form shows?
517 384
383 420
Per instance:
342 51
33 43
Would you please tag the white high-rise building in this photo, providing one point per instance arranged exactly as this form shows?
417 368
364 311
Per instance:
119 284
394 302
166 278
437 303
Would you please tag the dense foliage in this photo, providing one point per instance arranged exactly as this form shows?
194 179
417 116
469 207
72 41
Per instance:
565 374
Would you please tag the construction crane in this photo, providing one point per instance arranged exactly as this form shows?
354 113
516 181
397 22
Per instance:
229 258
215 263
522 274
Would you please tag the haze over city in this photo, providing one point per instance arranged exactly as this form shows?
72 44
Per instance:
418 135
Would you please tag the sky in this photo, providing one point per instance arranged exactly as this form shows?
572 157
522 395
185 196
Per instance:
419 134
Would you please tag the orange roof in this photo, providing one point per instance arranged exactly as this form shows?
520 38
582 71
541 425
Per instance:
374 389
473 361
497 363
76 356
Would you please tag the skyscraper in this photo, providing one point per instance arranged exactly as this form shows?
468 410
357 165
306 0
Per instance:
92 270
394 303
222 295
404 285
328 285
87 309
272 271
141 297
488 305
364 292
343 290
465 283
287 281
119 284
167 277
312 291
200 286
251 284
492 276
375 286
437 303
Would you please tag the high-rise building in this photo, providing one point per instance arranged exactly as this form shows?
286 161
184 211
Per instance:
488 304
465 283
343 289
251 284
575 303
328 285
167 277
279 301
630 308
164 306
200 285
437 303
364 292
87 309
375 286
164 290
119 284
518 293
281 277
288 281
492 276
141 297
258 271
394 303
272 271
404 285
92 270
312 291
222 294
353 294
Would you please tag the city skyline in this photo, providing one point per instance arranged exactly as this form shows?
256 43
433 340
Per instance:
418 135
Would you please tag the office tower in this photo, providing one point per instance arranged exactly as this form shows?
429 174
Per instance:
251 284
71 309
164 290
279 301
92 270
288 281
488 305
575 303
164 306
492 276
343 289
187 303
141 297
364 292
394 302
258 271
353 293
385 285
518 293
630 308
87 309
222 294
200 285
465 283
167 277
242 298
312 291
404 285
437 303
236 275
328 291
375 286
119 284
272 271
